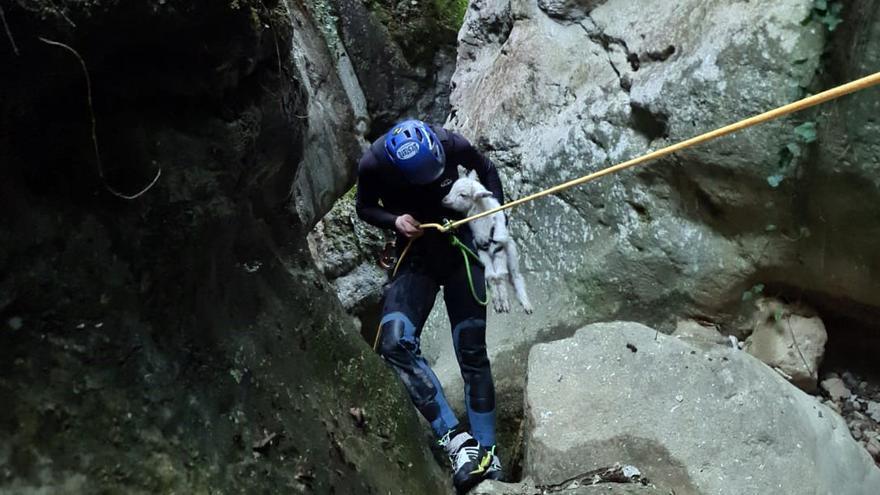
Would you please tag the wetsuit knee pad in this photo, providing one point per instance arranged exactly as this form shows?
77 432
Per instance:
397 335
469 339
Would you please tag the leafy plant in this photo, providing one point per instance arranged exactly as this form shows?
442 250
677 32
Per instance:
789 155
755 291
826 12
806 132
777 314
774 180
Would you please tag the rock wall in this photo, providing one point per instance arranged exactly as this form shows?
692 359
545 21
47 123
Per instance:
346 251
178 340
555 90
366 65
335 113
401 56
404 55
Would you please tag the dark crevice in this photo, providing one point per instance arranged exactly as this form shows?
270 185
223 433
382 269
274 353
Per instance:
653 125
660 55
634 59
640 209
853 328
706 204
605 41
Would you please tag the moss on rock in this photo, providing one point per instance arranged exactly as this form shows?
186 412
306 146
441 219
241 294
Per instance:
420 27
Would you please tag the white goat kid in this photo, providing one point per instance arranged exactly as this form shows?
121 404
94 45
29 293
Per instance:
496 249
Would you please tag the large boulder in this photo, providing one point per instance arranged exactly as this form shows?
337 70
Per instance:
696 419
346 250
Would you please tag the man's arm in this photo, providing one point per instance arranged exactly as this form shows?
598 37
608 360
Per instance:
474 160
368 208
367 200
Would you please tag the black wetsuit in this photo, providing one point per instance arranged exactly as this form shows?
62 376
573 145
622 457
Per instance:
430 263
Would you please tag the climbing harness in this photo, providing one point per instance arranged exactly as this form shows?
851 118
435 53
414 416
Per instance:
442 228
465 252
833 93
386 257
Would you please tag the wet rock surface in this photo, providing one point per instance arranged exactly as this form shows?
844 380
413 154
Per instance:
404 55
163 328
347 252
334 114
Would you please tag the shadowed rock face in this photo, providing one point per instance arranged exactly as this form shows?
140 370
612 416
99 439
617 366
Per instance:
403 54
181 341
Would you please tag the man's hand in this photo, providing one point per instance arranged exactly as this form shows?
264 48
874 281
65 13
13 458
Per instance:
408 226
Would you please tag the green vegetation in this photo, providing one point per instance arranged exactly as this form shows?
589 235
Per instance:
753 293
419 26
826 12
791 153
351 195
451 13
327 20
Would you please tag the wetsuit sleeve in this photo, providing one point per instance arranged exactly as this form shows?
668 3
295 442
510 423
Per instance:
367 202
474 160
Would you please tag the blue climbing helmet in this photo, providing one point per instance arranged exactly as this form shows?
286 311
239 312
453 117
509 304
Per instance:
415 150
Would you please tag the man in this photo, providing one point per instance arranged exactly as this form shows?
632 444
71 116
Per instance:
401 181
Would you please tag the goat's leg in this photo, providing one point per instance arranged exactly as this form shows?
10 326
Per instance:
490 275
499 259
519 284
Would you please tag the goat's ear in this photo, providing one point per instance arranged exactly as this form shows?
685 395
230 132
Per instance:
462 172
473 175
482 194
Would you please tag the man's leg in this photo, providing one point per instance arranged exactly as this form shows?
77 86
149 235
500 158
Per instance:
468 320
408 302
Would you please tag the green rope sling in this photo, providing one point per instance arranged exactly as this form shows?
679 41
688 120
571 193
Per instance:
465 251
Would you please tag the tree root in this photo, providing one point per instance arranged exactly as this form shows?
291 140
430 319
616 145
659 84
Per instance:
8 32
612 474
798 347
94 127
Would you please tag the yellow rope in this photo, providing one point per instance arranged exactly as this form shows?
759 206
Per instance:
402 255
378 333
857 85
